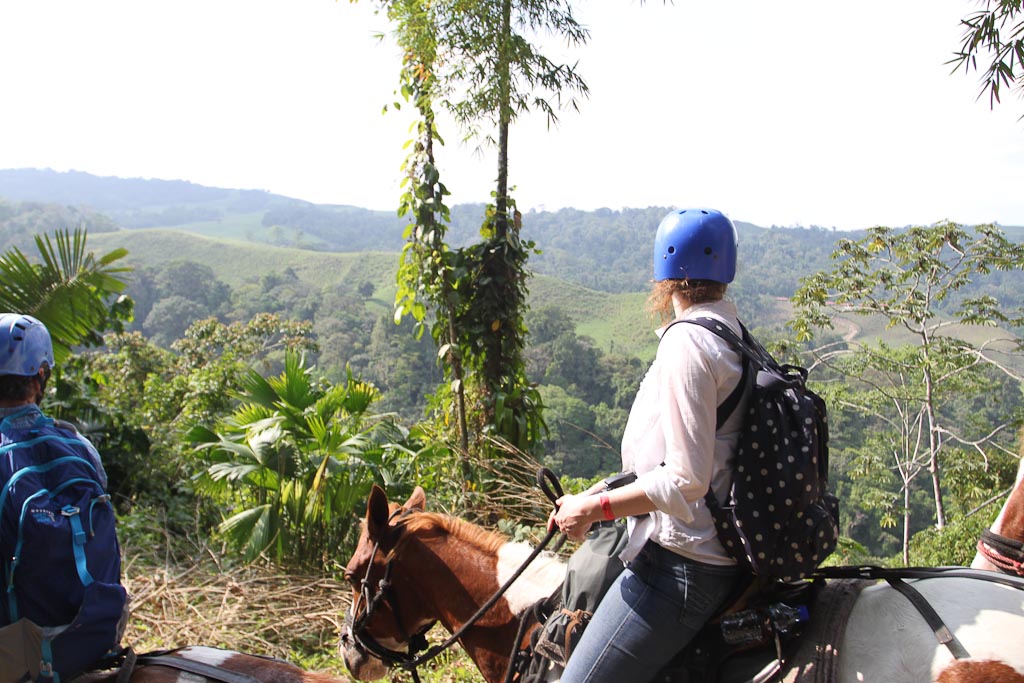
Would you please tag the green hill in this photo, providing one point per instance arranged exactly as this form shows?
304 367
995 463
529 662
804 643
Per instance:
592 265
607 318
237 262
615 321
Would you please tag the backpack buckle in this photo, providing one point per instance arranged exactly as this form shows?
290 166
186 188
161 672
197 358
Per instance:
77 532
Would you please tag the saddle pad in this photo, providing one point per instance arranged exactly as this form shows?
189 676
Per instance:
816 659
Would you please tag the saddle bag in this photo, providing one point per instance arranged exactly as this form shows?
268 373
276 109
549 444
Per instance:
589 573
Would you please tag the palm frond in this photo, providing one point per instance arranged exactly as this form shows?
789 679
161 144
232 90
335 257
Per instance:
250 530
68 290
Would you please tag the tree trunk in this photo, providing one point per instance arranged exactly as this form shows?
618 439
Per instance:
504 119
934 445
906 524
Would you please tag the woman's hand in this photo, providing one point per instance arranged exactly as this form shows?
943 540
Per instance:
574 515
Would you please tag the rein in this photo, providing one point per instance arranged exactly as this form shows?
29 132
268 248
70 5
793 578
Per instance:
1005 553
410 661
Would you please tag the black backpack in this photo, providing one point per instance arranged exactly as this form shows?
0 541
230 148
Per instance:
778 518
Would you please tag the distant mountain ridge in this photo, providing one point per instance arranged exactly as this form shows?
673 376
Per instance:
603 250
112 194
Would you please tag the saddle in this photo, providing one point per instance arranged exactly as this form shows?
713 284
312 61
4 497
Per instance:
128 661
751 640
801 650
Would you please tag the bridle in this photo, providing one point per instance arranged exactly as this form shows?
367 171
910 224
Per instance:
1006 554
356 621
418 652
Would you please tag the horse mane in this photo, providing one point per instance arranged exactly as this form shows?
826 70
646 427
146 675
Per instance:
434 523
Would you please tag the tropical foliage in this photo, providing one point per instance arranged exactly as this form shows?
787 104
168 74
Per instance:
918 394
292 461
995 32
69 289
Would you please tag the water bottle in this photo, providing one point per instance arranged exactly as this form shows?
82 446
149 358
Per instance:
748 627
784 618
758 625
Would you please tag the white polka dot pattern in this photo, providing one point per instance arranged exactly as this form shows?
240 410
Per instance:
778 518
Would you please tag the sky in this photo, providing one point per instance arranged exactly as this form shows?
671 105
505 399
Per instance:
777 112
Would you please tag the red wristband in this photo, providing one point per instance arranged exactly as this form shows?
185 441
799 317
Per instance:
606 507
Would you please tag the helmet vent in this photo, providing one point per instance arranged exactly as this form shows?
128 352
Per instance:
671 250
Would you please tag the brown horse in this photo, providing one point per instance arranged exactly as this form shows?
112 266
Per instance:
412 568
228 665
1002 547
446 569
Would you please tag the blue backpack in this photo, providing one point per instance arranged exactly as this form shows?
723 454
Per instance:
61 562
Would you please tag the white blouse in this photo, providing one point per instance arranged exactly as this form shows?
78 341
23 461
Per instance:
672 421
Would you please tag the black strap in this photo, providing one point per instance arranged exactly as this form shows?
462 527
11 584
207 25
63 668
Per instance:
895 575
1007 547
875 573
934 621
124 672
728 406
214 673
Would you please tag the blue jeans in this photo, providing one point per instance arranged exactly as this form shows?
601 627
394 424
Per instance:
654 608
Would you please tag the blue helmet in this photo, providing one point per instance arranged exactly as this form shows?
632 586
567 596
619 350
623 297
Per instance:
24 345
695 244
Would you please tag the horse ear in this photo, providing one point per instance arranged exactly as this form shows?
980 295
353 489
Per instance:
417 501
377 512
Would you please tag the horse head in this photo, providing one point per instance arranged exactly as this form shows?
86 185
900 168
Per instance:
384 625
413 568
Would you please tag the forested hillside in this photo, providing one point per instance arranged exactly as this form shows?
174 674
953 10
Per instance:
603 250
233 256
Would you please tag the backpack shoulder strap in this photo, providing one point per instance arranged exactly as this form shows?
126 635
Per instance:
728 406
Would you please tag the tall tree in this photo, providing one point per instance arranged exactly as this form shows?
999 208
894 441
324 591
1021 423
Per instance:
911 279
474 58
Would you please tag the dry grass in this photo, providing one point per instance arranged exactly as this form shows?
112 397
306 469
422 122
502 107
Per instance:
184 593
256 609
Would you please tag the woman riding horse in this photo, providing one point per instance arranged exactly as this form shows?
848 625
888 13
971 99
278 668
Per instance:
413 567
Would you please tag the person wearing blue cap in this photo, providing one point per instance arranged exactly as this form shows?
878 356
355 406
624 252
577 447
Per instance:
677 573
64 610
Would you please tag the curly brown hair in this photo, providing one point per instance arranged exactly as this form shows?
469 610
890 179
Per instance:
659 303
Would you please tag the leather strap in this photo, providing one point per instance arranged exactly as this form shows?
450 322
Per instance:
124 672
939 628
876 573
214 673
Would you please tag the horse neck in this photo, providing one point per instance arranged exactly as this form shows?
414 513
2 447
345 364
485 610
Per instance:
457 572
1009 523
